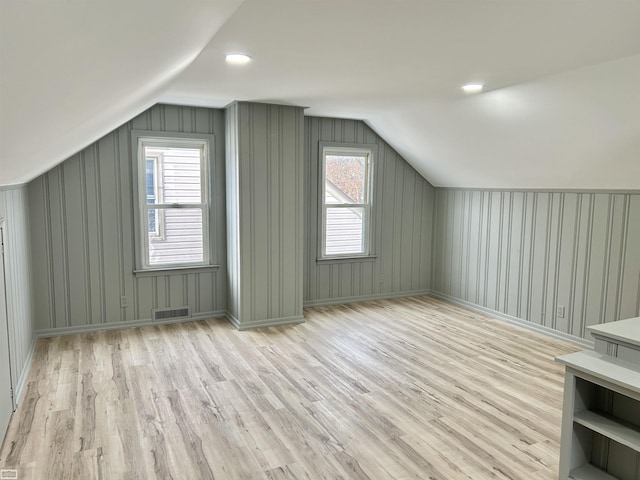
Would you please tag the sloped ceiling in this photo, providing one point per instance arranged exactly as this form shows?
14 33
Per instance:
71 71
560 110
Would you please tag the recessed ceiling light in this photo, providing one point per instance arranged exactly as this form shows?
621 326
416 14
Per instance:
237 58
473 87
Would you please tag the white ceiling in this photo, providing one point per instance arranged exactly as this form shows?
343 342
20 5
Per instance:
73 70
561 110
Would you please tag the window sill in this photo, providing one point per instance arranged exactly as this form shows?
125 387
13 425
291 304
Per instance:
358 259
156 272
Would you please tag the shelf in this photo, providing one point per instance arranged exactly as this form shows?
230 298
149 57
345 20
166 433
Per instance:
589 472
617 430
604 367
600 422
623 331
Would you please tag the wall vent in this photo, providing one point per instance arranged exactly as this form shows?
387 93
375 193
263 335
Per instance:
163 314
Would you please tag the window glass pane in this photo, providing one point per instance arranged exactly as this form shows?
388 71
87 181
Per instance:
344 232
153 222
345 179
179 174
150 180
181 240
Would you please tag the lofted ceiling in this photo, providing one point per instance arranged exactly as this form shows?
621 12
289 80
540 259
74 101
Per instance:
73 70
560 110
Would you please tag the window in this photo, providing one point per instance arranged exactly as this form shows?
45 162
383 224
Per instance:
346 201
173 197
154 195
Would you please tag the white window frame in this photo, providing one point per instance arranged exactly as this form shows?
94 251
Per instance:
348 150
142 238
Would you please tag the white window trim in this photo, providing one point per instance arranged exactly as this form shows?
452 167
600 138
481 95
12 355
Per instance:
347 149
169 139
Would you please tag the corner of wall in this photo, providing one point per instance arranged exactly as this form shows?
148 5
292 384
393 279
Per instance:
15 209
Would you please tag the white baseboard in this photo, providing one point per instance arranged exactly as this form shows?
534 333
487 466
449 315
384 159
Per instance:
24 375
100 327
516 321
267 322
364 298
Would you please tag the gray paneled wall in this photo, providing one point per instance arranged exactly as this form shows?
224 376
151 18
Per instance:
402 216
526 253
83 238
14 208
82 225
264 213
232 171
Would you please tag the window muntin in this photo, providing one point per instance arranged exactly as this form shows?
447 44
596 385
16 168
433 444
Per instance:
346 202
173 202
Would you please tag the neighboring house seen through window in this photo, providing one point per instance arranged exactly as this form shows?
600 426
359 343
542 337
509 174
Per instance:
346 202
173 199
154 194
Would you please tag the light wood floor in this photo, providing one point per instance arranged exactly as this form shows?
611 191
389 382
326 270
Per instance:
412 388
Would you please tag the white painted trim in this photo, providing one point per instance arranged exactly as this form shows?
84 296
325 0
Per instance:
15 186
232 319
330 260
545 190
156 272
56 332
24 375
267 322
516 321
364 298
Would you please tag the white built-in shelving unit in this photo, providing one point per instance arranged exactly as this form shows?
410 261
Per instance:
601 412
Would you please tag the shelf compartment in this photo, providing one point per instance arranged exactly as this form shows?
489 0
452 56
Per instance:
617 430
589 472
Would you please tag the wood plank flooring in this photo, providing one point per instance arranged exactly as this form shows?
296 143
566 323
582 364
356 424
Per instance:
412 388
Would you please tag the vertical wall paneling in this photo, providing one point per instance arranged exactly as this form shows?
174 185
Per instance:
232 217
596 259
524 254
14 209
403 206
629 291
264 213
83 242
